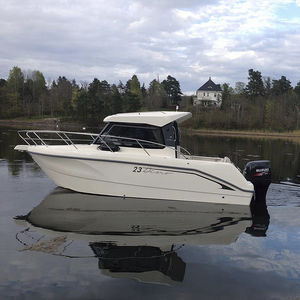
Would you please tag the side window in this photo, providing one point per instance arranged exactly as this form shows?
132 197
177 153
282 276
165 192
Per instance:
170 134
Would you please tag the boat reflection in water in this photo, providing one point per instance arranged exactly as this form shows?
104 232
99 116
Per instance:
132 238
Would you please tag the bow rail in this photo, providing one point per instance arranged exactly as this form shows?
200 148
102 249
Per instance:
53 137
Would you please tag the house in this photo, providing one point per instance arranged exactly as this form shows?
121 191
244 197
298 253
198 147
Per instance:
209 94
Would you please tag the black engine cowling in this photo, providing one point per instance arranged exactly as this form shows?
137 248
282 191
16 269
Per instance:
259 173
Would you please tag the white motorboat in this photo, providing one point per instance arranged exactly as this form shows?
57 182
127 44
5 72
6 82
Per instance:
136 155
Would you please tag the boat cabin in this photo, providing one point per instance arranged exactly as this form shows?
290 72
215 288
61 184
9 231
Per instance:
153 130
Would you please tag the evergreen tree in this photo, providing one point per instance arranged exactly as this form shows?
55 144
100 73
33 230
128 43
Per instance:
267 86
255 86
157 96
95 104
297 89
172 88
117 102
81 104
133 94
64 96
144 91
227 92
133 102
3 82
281 86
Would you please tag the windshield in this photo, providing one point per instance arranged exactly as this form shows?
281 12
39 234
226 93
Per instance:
125 135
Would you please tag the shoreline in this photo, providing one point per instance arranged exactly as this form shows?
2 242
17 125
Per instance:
243 133
57 124
41 124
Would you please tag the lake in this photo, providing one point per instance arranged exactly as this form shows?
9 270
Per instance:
71 246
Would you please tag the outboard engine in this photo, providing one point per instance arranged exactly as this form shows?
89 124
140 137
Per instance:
259 173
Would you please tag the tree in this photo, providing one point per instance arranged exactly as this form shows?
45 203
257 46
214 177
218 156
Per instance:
144 91
39 89
116 99
3 99
95 102
3 82
227 92
172 88
255 86
3 96
135 86
15 91
281 86
133 94
297 89
15 81
64 95
81 103
121 88
239 87
156 95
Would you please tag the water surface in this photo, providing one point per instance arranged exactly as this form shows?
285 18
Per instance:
72 247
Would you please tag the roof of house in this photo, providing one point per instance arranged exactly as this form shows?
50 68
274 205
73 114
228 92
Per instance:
156 118
210 86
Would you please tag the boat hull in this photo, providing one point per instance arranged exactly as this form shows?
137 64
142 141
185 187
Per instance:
135 179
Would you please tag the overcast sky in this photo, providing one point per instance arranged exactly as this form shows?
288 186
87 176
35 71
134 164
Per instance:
188 39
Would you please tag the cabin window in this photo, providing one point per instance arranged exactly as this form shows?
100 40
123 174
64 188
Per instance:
126 135
170 132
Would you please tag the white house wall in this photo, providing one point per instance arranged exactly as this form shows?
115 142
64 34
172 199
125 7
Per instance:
208 98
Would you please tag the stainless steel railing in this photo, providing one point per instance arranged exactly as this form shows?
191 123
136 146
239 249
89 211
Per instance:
140 143
53 137
50 137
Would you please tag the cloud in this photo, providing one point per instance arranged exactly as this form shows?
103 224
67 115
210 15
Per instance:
190 40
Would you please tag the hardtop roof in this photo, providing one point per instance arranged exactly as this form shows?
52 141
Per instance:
156 118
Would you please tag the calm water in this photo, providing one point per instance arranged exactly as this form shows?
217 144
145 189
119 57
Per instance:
76 246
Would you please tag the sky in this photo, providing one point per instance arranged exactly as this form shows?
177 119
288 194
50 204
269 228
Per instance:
190 40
